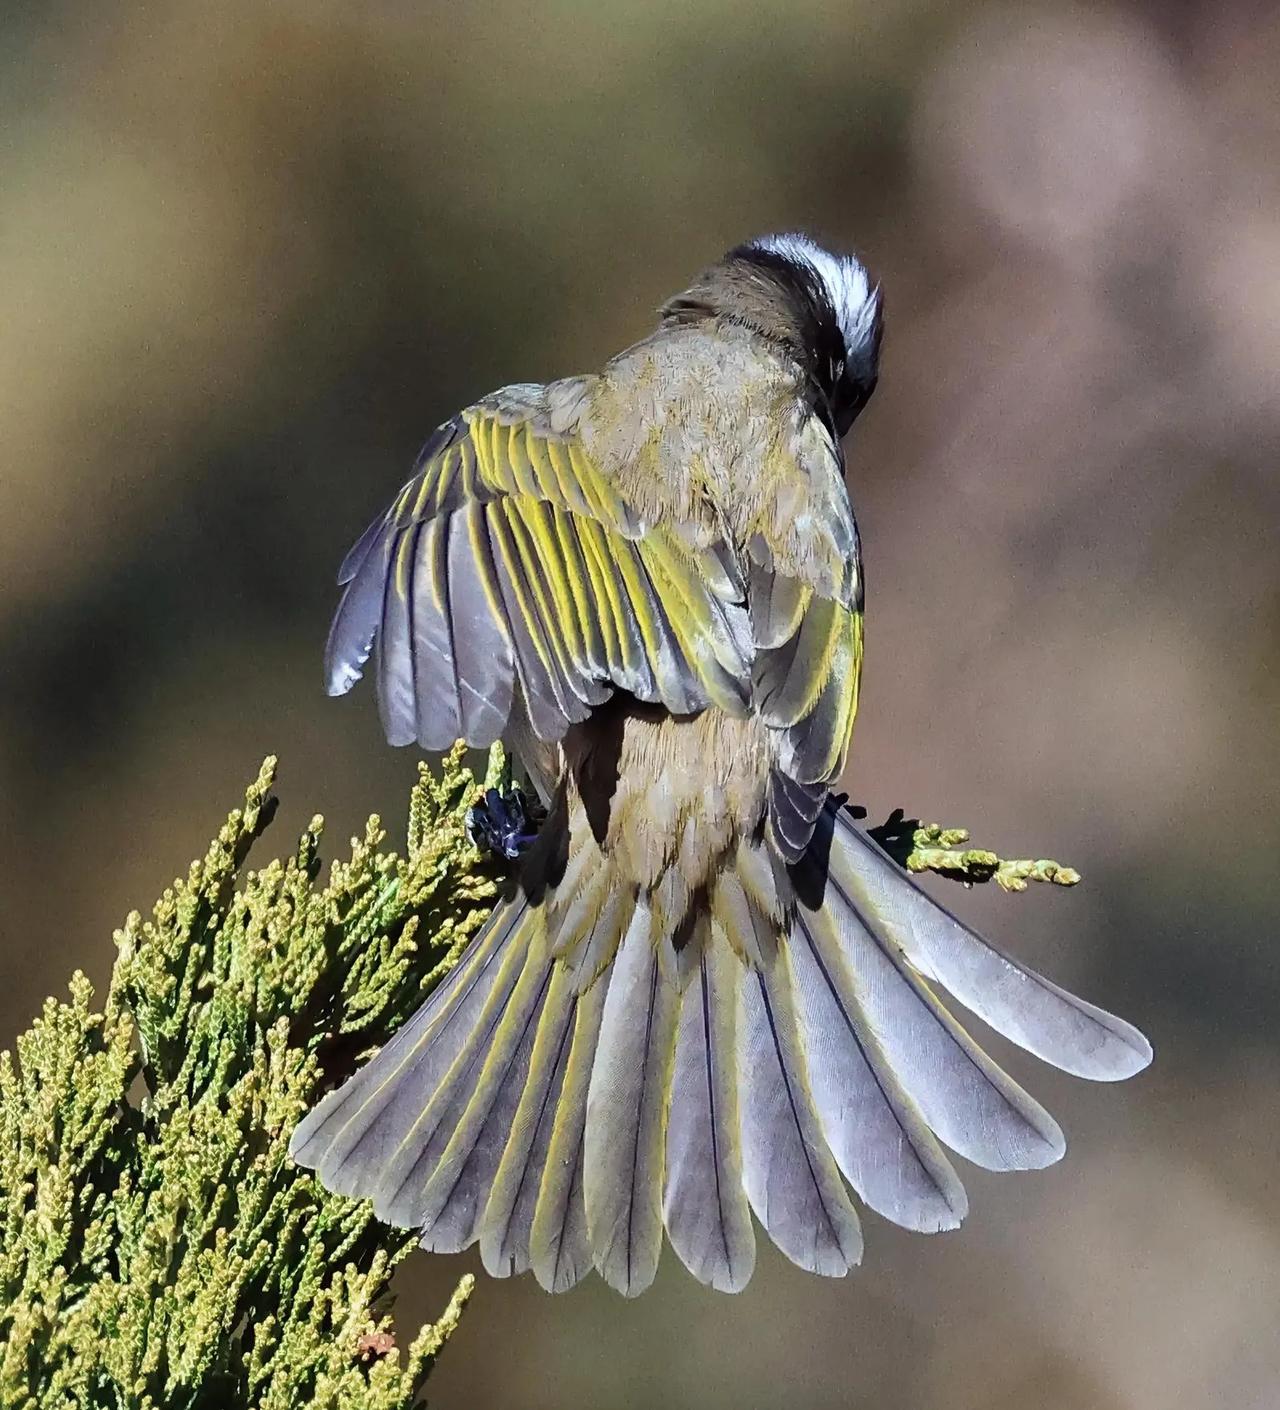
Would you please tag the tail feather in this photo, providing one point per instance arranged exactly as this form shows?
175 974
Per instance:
1016 1001
458 1188
705 1205
349 1136
877 1133
752 931
790 1177
599 945
974 1106
626 1113
559 1246
424 1127
506 1225
587 1077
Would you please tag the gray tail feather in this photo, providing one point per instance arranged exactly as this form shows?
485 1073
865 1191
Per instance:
566 1127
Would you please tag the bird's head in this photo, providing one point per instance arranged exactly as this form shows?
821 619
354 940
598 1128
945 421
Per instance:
821 306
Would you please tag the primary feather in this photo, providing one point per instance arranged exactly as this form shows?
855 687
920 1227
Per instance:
708 994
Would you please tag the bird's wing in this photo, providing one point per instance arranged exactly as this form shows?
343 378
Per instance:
804 586
510 580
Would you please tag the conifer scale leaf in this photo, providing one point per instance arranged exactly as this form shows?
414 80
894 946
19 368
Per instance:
157 1246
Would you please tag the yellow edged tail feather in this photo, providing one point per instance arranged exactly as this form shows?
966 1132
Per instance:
566 1113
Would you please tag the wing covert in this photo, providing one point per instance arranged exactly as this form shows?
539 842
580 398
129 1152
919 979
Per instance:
804 585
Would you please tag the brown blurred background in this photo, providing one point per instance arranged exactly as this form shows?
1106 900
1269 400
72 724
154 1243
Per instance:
250 254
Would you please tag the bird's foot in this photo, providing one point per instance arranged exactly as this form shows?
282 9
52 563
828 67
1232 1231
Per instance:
503 823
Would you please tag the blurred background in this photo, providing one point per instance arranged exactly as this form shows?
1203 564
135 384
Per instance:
250 254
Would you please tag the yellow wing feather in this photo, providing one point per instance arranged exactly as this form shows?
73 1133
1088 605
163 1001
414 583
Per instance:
545 592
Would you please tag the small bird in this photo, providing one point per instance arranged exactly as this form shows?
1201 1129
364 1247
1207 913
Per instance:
708 993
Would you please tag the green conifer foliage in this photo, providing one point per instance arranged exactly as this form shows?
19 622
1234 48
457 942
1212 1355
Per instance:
157 1246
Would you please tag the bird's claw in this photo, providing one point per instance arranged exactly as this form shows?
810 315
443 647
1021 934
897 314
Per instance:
503 823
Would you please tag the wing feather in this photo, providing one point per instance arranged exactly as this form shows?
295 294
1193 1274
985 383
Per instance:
586 612
628 665
517 528
483 661
435 660
550 702
396 697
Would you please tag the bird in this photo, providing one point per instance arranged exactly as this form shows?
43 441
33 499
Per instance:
707 1001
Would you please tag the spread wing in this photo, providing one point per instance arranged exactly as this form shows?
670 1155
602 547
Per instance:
510 580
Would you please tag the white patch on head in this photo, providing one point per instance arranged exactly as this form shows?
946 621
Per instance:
847 284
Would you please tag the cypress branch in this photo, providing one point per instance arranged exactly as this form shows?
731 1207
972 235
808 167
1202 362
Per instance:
157 1246
921 847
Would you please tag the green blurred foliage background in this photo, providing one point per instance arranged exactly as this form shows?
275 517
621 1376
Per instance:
251 253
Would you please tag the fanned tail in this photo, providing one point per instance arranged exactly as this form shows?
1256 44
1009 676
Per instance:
574 1088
